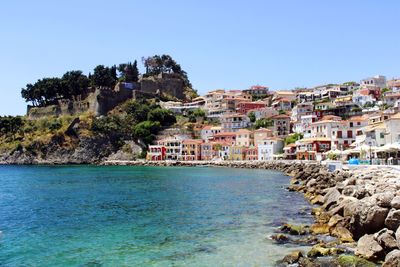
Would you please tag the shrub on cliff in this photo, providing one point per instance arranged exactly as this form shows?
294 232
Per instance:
10 125
138 110
164 116
146 131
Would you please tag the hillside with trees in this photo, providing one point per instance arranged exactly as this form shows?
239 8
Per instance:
83 137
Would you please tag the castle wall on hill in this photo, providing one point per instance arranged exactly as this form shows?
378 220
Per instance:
99 102
167 85
102 100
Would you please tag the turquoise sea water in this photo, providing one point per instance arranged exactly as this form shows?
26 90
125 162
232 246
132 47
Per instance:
143 216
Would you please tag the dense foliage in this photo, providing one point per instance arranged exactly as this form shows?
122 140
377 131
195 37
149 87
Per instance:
156 65
104 76
290 139
141 120
46 90
196 114
128 72
10 125
252 116
264 123
17 133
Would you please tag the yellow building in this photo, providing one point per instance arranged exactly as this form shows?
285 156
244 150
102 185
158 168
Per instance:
237 153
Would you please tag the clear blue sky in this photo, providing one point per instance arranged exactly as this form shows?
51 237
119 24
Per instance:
221 44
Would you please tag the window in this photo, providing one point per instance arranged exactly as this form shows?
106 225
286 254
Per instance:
349 134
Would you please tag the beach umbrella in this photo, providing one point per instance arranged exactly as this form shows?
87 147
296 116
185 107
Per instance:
395 146
333 151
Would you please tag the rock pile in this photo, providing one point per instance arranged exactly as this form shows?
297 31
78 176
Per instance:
361 205
361 208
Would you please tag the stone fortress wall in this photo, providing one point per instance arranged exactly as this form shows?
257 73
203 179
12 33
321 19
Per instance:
101 100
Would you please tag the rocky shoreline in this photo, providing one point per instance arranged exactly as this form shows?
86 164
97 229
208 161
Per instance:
360 208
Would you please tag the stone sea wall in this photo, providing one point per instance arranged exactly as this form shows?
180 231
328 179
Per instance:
359 208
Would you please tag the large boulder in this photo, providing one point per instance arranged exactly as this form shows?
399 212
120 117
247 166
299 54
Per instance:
367 218
395 203
397 235
393 219
386 239
349 206
369 248
392 259
331 197
384 199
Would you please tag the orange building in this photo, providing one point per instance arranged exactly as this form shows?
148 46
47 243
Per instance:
191 149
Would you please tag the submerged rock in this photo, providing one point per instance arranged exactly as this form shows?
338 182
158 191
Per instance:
318 251
294 229
293 257
280 238
320 228
343 234
353 261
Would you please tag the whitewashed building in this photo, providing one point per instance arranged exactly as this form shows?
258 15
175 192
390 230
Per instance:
270 147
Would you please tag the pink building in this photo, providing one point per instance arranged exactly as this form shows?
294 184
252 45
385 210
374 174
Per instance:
244 107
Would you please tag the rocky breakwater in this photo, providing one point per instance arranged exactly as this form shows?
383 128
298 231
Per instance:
360 207
290 168
358 211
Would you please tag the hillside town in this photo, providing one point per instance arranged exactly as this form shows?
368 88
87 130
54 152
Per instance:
353 120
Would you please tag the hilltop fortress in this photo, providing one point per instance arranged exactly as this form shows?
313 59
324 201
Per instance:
102 99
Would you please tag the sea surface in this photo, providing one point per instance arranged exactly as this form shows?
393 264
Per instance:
143 216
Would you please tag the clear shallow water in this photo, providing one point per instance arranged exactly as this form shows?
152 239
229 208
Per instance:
143 216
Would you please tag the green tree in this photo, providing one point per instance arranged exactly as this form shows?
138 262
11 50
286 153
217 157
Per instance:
104 76
164 64
109 125
146 131
10 125
129 72
264 123
252 116
290 139
138 110
43 92
164 116
74 83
